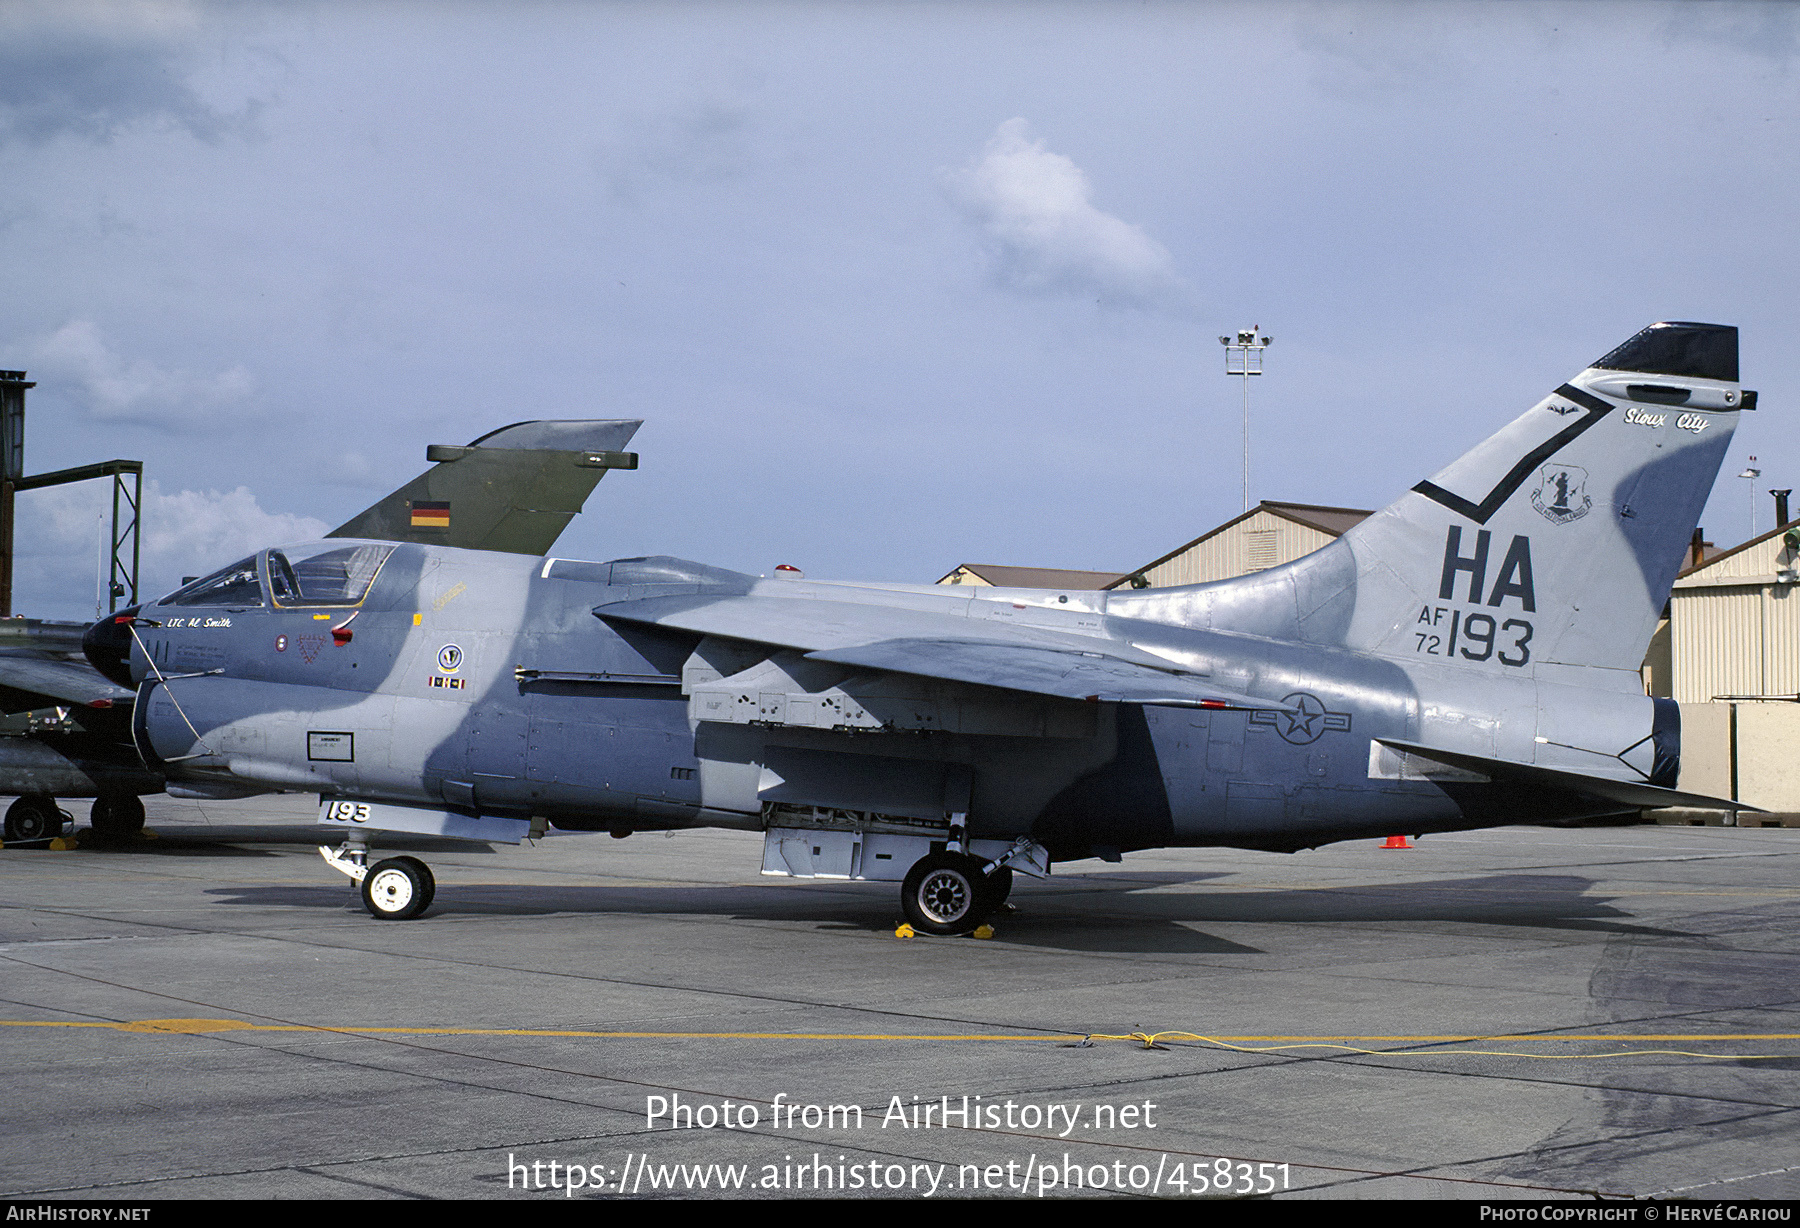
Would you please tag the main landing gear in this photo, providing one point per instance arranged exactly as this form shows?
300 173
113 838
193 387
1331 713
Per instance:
949 881
396 889
948 893
117 816
34 817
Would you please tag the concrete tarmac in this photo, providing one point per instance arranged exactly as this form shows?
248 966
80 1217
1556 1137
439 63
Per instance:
1519 1013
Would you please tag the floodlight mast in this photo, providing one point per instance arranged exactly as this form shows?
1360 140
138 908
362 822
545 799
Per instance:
1752 473
1243 356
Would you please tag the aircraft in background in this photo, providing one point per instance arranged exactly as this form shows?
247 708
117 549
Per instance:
512 490
1466 657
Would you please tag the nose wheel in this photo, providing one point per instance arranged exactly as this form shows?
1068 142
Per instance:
398 889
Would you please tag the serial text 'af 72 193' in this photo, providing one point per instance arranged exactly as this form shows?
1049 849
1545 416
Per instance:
1466 657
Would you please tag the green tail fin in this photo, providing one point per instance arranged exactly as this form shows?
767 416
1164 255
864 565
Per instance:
513 490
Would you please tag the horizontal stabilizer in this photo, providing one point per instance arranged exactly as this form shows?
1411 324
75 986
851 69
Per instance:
513 490
1043 671
1625 792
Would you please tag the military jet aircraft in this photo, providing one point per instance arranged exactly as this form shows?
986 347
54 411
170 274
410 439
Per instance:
65 731
1466 657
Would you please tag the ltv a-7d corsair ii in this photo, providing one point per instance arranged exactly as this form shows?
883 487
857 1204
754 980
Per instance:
1466 657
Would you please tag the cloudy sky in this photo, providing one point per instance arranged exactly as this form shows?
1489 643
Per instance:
894 286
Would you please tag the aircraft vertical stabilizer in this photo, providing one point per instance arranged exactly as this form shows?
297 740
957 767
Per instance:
1557 540
513 490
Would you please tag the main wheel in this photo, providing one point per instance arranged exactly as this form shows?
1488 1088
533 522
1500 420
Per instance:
945 893
398 889
999 886
117 816
33 817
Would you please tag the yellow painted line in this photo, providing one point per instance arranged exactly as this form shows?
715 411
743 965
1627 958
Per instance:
195 1026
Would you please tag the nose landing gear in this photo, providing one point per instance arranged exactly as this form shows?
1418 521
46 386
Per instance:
397 889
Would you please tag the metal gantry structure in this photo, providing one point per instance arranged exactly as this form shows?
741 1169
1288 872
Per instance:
1244 357
127 499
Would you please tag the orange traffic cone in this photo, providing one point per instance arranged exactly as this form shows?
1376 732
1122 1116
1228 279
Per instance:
1396 842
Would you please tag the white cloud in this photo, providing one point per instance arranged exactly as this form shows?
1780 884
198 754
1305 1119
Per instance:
115 390
208 529
1047 236
94 68
187 533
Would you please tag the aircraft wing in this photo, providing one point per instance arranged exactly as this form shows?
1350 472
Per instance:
1088 675
1625 792
934 644
41 634
30 680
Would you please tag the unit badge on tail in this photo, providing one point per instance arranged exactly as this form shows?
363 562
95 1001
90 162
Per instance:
1561 494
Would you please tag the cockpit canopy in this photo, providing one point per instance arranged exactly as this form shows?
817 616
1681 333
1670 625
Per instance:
314 574
324 573
237 585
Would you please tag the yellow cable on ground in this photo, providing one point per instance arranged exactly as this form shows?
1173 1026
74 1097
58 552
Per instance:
1151 1040
1148 1040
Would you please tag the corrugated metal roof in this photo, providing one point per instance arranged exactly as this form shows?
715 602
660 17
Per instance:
1334 521
1001 575
1713 560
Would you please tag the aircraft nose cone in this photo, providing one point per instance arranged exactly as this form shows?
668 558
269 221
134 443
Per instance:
107 645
